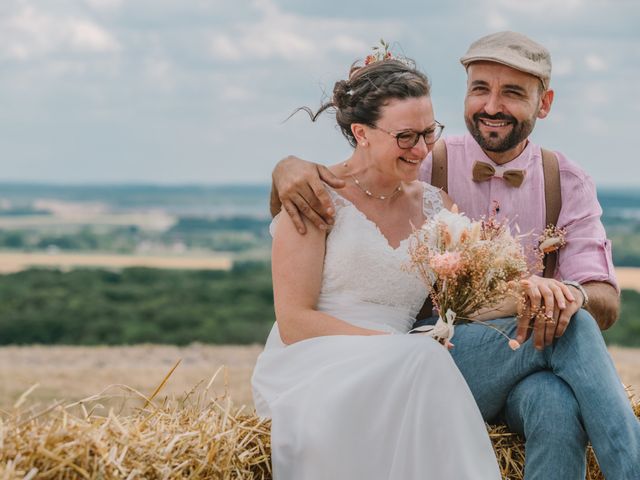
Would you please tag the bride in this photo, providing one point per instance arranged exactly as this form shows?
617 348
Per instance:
350 395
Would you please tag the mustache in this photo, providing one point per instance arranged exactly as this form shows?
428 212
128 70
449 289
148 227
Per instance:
496 117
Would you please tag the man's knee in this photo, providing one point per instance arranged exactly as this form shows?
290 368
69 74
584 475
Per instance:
585 320
583 328
543 402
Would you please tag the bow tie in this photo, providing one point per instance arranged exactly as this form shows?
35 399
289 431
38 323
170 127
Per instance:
483 171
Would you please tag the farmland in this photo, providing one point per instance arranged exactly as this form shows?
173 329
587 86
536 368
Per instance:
628 277
73 373
11 262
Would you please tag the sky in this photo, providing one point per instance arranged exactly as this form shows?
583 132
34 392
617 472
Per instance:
197 91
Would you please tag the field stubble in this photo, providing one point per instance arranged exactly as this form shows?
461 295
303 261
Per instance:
73 373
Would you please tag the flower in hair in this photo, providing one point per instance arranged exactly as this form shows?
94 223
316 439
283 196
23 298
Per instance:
380 52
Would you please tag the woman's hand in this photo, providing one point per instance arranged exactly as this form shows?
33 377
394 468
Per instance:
298 187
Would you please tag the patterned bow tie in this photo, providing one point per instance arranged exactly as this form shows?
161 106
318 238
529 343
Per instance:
483 171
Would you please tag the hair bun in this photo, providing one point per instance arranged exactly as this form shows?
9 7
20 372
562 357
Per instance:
342 94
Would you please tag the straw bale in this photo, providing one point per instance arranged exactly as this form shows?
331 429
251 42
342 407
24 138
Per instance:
193 437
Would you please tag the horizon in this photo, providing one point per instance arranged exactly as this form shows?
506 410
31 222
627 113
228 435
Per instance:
237 184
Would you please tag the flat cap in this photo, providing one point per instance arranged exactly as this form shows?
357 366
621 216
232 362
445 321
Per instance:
513 50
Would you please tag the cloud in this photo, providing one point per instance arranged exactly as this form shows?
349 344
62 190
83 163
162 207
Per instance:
105 4
595 63
262 44
236 93
279 35
595 125
597 95
31 32
84 35
528 7
562 67
160 73
497 21
223 47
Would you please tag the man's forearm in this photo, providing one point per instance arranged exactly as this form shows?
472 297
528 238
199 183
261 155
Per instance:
274 202
604 303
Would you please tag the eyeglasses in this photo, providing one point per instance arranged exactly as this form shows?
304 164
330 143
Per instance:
409 139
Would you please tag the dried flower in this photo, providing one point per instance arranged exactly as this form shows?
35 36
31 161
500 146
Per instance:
474 265
550 245
369 59
445 264
552 239
380 52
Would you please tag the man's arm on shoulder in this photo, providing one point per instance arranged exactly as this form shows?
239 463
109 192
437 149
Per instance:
297 186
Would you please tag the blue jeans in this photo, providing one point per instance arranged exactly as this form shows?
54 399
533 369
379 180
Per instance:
556 398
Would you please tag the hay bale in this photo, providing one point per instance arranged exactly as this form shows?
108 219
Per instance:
168 441
191 437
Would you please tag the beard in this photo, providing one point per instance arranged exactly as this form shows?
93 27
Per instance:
492 142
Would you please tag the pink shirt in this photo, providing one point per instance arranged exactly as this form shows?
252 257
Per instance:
587 254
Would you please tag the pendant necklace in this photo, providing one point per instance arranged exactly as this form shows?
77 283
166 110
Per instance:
368 193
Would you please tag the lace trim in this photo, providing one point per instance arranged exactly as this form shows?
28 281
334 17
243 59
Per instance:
432 203
432 200
274 222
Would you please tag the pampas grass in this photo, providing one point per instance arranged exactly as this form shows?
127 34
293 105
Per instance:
197 436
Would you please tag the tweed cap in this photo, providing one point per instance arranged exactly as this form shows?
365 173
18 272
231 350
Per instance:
513 50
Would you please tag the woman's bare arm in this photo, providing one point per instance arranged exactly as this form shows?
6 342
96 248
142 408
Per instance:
297 264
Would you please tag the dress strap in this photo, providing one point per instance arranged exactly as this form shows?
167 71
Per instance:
431 200
338 200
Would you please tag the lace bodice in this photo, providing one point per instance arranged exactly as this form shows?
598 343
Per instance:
365 281
359 260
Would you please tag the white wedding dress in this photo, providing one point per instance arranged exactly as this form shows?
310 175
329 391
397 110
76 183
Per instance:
391 407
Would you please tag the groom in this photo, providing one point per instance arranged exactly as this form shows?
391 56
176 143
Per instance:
561 388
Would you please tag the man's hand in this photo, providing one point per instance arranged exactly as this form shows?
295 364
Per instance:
549 306
297 186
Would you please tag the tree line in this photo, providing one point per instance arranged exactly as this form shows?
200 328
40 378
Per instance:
144 305
136 305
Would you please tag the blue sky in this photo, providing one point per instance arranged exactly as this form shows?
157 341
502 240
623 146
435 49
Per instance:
196 91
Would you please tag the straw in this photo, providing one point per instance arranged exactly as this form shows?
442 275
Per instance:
193 437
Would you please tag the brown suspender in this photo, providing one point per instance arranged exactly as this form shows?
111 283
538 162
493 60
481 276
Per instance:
552 192
553 203
439 178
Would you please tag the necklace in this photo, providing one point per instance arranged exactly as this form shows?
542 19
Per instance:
368 193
